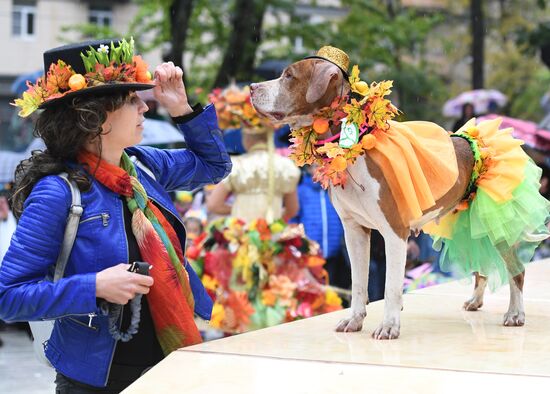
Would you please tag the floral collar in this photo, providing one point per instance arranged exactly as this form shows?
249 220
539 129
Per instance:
361 116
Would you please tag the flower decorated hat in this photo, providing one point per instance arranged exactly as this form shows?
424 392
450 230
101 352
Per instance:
91 67
235 110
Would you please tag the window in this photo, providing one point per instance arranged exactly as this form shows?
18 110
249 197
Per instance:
101 16
23 18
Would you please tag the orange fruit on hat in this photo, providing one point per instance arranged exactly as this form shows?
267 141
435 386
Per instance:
320 126
339 163
77 82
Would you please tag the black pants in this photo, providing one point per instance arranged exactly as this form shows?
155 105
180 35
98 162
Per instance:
120 377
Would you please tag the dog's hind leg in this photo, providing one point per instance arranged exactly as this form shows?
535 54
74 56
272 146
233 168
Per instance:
358 245
515 316
396 255
476 301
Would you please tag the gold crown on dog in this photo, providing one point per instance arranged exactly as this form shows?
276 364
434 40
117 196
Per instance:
335 56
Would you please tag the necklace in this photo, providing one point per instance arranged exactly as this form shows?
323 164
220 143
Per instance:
360 117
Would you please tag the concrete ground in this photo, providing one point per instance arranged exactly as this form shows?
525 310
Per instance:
20 370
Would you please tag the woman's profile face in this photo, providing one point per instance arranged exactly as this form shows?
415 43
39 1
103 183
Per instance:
124 126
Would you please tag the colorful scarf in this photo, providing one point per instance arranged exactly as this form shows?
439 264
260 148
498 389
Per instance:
170 298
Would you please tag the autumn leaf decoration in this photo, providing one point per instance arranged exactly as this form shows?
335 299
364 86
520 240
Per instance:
368 108
234 109
114 64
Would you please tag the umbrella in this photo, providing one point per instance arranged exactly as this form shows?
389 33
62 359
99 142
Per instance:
156 132
480 99
20 84
533 136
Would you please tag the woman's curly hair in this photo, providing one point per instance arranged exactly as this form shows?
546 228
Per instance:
65 128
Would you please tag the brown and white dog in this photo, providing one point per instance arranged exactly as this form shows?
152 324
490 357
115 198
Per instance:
367 203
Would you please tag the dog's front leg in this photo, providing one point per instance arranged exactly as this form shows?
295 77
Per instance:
358 246
396 255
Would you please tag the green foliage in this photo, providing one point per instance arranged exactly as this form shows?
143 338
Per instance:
384 45
122 52
90 31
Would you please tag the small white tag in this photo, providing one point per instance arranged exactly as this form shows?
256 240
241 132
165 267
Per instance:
349 134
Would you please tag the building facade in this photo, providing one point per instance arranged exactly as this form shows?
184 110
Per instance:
30 27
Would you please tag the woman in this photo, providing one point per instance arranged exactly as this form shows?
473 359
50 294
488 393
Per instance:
92 118
260 270
263 183
467 114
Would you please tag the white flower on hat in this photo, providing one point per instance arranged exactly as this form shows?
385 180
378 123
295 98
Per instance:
103 49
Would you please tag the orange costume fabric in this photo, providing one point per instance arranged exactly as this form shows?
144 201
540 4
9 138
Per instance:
418 162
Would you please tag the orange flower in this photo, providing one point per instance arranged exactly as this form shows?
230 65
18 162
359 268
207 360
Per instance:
268 298
368 141
142 74
320 126
283 287
241 307
263 229
315 261
339 163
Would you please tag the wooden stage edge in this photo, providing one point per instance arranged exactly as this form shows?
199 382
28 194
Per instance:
442 349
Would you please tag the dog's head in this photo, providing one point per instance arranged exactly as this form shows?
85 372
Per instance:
302 89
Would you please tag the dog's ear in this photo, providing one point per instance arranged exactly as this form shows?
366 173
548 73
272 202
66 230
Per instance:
323 72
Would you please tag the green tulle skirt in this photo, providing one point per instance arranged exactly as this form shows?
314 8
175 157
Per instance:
487 231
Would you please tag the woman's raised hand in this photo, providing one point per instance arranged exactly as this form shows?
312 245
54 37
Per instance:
170 90
119 286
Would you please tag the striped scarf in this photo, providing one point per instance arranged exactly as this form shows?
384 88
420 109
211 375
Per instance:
170 298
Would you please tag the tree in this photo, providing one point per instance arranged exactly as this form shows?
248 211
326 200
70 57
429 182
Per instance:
179 12
396 48
246 35
478 40
167 21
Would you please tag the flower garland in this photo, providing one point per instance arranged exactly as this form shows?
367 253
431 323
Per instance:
366 108
103 65
260 274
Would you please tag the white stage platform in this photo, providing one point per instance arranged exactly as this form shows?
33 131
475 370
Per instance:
442 349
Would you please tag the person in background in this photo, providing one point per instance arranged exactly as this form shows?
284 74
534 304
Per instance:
322 224
249 183
467 114
194 226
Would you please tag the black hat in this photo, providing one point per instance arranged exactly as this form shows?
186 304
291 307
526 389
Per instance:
91 67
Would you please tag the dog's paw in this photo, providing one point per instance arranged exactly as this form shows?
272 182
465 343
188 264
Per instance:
473 304
386 331
352 324
514 319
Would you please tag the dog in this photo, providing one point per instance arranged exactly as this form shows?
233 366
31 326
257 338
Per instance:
367 203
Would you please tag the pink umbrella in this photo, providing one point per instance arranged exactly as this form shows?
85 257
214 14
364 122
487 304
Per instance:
479 98
525 130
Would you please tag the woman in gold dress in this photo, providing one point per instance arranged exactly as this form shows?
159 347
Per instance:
260 270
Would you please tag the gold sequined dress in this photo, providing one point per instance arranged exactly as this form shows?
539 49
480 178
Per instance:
249 182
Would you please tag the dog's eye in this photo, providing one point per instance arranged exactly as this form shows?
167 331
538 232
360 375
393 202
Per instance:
288 75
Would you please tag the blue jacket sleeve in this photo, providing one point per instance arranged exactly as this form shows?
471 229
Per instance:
35 245
205 161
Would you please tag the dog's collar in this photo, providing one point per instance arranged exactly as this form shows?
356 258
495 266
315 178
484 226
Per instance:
362 130
479 166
